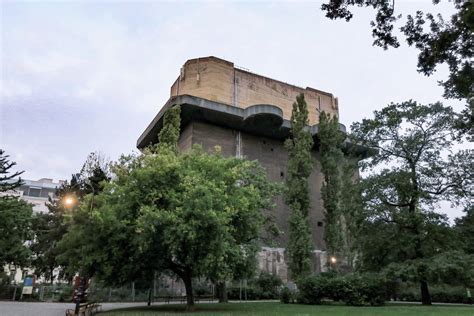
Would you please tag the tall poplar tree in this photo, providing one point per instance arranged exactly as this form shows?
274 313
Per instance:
340 193
300 165
330 148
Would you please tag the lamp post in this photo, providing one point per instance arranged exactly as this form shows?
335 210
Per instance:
69 201
333 261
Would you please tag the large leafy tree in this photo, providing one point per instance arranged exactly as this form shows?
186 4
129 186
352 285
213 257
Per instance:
191 215
414 169
15 217
439 40
300 166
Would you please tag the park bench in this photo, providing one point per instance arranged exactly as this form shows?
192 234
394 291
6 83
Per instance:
169 298
202 298
86 309
182 299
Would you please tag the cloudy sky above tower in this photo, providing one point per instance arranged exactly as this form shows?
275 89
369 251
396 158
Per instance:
78 77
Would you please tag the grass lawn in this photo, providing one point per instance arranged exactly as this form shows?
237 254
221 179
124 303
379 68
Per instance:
279 309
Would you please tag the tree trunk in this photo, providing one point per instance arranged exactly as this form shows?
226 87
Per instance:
149 297
222 292
188 284
51 271
425 293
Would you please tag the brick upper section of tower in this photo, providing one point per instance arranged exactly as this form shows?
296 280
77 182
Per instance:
219 80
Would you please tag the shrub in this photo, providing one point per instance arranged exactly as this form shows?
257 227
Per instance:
352 289
287 296
311 290
269 285
266 286
439 294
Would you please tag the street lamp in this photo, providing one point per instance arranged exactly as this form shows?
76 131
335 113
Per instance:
333 260
69 201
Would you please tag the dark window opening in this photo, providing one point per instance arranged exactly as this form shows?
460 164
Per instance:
271 149
34 192
282 174
320 224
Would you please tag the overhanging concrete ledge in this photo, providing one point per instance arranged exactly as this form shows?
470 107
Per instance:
260 119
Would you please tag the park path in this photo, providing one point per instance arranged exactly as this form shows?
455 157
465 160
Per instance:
49 309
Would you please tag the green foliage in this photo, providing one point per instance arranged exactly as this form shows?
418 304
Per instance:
352 289
50 252
439 294
300 165
331 157
439 41
15 218
15 230
192 214
7 178
288 296
453 267
169 134
266 286
269 285
413 174
340 192
465 229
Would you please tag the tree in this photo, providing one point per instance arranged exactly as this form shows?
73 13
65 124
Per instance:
465 229
15 215
340 193
440 42
192 215
415 171
330 147
7 179
300 166
450 267
50 228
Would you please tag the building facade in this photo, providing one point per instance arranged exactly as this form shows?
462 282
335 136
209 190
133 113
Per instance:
248 115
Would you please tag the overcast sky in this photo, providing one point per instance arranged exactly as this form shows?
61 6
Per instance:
78 77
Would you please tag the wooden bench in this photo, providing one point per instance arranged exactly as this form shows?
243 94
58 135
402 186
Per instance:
201 298
85 309
169 298
182 299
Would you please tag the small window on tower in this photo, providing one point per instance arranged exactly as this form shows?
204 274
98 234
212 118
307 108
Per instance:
282 174
320 224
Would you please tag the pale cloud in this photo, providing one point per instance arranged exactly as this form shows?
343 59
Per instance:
80 77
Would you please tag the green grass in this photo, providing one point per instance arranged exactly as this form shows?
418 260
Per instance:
278 309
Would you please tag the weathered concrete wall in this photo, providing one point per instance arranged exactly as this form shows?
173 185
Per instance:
218 80
273 157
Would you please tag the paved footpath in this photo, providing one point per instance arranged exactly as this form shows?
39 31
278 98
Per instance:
50 309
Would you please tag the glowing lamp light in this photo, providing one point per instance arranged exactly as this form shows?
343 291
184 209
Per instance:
69 201
333 260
